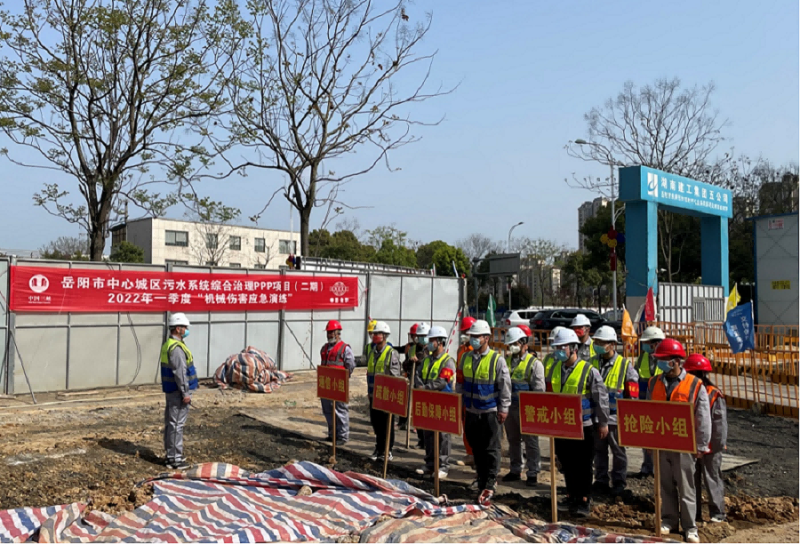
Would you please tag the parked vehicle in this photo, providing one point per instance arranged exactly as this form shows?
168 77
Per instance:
614 319
549 319
512 318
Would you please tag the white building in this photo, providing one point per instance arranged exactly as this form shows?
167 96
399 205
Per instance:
586 211
174 241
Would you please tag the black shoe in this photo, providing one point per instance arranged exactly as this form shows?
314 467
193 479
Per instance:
420 445
491 485
617 489
375 455
341 441
178 465
532 481
581 509
600 488
512 477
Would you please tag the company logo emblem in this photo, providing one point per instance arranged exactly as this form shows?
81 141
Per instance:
339 289
38 283
652 184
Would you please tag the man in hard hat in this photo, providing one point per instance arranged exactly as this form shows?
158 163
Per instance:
463 348
416 353
402 422
382 359
582 327
621 381
549 359
678 494
646 367
337 354
486 393
572 375
527 374
178 380
436 373
368 345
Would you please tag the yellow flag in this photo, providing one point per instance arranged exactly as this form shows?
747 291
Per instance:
628 332
733 300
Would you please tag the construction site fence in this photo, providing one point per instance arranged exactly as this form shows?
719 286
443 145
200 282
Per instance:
764 379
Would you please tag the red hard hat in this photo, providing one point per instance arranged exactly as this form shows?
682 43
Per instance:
466 323
333 325
526 329
670 348
413 329
695 361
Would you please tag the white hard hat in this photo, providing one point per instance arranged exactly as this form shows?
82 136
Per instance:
580 320
480 327
178 320
564 337
436 332
652 333
606 334
423 329
514 335
554 332
381 326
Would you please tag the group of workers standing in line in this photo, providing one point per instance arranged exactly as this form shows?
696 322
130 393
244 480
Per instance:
490 387
579 363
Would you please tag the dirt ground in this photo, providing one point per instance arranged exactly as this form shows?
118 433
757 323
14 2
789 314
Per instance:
97 451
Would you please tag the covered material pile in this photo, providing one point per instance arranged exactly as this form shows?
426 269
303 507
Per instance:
250 370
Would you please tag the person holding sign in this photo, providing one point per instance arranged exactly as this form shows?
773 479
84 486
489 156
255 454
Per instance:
527 374
464 347
338 355
437 373
678 494
382 359
710 466
572 375
416 351
486 393
621 381
647 368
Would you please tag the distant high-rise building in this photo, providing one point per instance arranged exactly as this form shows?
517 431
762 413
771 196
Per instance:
586 211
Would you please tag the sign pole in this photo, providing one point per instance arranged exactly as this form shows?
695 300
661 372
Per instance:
333 435
386 449
436 464
553 496
410 402
657 490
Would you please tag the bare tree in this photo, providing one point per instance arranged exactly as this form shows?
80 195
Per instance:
661 126
98 90
65 248
316 80
539 256
477 246
213 233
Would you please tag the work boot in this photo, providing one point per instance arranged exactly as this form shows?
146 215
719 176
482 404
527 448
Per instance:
469 460
719 518
618 489
600 488
532 481
512 477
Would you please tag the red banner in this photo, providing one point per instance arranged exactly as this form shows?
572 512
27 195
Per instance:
436 411
391 395
551 414
656 425
46 289
333 383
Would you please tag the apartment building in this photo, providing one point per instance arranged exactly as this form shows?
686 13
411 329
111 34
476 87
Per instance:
586 211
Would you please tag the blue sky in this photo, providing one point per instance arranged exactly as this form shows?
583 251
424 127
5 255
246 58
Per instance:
528 71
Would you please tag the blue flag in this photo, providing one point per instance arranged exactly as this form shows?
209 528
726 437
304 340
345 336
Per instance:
739 328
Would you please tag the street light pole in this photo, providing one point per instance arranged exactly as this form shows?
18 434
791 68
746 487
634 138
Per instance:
508 250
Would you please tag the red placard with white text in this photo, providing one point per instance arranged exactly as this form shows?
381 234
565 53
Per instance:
390 395
551 414
436 411
56 290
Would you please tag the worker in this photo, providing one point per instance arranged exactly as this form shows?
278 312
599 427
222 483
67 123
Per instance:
178 380
572 375
621 381
414 357
582 327
337 354
646 367
678 494
463 348
527 374
486 393
436 373
383 359
368 345
709 467
550 357
402 422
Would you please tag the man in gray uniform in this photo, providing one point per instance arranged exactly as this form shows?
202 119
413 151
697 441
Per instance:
178 380
436 373
337 354
527 374
382 359
622 381
582 328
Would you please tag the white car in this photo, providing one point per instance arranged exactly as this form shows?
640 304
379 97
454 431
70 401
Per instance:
512 318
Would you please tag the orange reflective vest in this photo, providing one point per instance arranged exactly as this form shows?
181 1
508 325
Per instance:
686 391
714 394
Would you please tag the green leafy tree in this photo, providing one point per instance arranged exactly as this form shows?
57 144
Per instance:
98 90
443 255
391 247
126 252
342 245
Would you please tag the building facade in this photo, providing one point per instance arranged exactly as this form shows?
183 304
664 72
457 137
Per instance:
174 241
586 211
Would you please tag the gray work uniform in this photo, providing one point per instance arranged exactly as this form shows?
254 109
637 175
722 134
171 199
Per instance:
619 467
176 412
678 494
532 379
342 408
710 465
585 350
652 365
434 382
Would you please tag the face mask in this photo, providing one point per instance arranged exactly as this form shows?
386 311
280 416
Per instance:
664 366
464 339
560 355
431 346
600 350
648 348
332 341
185 333
475 343
514 349
422 340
